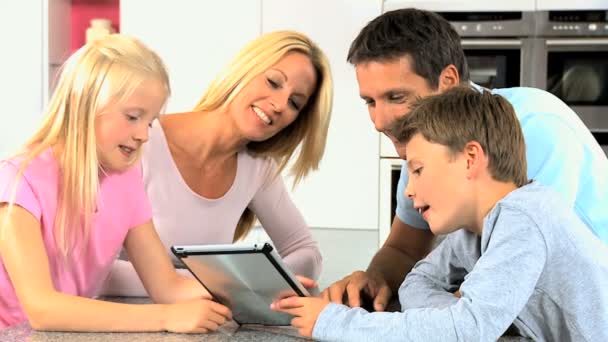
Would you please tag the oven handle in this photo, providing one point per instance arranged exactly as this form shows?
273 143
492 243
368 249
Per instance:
577 42
490 42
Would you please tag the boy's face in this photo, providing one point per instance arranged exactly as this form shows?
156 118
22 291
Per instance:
388 89
438 185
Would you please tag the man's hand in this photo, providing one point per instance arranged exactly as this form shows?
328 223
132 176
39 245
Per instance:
305 309
372 284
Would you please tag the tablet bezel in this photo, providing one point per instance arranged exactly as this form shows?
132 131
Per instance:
185 251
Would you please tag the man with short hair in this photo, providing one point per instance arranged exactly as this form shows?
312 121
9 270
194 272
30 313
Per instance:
408 53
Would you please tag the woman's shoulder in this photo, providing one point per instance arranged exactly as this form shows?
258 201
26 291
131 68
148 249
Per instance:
255 163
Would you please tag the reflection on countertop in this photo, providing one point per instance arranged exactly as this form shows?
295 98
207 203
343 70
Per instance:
23 332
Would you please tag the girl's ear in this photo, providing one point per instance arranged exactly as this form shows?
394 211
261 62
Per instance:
476 159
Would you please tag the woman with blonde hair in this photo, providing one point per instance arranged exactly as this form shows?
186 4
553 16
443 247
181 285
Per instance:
211 171
74 196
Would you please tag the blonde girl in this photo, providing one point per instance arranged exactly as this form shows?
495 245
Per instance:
74 196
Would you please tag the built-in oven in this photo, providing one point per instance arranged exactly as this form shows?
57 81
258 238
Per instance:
570 60
390 170
495 44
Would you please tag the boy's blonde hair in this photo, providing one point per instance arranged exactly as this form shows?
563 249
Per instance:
308 131
108 69
461 115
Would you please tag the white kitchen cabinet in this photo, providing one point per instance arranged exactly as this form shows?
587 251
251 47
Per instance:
344 192
557 5
462 6
34 39
196 39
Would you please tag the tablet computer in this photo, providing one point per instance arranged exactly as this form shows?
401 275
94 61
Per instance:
246 279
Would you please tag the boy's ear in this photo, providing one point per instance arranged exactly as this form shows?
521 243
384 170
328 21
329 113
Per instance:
476 159
448 78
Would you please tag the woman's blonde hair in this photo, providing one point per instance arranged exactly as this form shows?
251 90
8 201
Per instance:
308 131
108 69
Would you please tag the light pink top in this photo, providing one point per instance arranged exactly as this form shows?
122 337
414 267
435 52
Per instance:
122 204
181 216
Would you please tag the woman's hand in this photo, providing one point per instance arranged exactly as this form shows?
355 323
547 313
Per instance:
196 316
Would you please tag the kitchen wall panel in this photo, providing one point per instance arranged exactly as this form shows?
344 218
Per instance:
344 193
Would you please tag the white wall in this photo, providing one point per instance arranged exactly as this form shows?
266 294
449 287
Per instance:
21 72
196 39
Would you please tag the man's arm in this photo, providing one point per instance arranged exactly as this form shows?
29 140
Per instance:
404 247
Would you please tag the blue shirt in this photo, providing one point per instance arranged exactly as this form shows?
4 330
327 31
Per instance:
535 267
562 154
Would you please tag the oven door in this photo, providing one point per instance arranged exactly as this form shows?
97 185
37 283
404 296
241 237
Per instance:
577 73
390 171
602 139
494 63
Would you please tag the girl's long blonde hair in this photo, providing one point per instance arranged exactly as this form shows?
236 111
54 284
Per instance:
308 131
108 69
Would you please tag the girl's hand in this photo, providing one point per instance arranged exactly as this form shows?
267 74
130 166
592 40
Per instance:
305 309
196 316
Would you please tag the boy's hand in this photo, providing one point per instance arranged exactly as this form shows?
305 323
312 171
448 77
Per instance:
305 309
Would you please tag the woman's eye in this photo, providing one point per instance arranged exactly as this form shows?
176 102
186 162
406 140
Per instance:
273 83
418 171
132 117
294 105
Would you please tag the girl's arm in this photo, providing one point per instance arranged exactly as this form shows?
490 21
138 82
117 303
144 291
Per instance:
149 258
24 256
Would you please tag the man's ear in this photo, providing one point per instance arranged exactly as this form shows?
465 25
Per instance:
476 159
448 78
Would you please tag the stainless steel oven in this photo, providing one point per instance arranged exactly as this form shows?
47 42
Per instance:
495 44
570 60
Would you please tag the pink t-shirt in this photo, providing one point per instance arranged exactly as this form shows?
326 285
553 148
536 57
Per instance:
122 204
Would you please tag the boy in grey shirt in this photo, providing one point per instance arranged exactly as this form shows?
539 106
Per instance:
516 256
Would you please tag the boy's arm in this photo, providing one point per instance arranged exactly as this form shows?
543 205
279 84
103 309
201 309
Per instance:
490 302
434 279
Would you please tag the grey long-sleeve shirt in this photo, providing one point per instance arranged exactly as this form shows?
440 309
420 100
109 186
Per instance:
535 266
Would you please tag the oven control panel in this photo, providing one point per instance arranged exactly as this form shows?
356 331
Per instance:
573 23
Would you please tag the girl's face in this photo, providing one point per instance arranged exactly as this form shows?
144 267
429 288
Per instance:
273 99
122 127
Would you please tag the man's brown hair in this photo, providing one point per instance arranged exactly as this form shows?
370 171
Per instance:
461 115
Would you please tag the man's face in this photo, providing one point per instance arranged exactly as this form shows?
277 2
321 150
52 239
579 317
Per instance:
388 89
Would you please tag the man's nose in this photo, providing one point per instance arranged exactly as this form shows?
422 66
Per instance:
380 117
